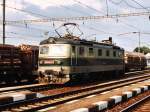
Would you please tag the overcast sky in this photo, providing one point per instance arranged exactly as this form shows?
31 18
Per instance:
33 33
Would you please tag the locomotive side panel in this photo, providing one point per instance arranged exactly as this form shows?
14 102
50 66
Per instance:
96 59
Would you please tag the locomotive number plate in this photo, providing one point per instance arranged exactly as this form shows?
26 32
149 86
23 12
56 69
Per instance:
49 62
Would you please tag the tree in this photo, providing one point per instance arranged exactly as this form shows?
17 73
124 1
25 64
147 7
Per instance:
143 49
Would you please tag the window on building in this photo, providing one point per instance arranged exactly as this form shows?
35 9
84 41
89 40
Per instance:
91 52
107 53
81 51
99 52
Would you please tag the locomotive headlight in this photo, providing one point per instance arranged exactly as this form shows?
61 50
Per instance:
57 62
41 62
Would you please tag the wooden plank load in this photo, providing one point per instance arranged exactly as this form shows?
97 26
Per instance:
10 61
135 60
18 63
29 57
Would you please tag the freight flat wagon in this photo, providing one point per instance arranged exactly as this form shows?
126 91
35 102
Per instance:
18 63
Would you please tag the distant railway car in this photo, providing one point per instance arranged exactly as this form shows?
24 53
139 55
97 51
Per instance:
17 63
134 61
67 58
148 59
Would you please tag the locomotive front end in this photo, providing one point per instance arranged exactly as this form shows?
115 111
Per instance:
53 63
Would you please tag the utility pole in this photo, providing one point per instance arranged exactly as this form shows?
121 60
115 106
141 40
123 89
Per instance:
139 41
139 35
4 22
107 7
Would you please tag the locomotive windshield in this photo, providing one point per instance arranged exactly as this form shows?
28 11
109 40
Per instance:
54 50
58 50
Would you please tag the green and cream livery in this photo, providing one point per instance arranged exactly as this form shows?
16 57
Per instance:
68 58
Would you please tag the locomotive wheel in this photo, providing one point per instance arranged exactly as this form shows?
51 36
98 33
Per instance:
44 79
9 79
18 78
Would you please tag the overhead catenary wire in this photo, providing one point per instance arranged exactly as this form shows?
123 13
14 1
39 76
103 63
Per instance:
88 6
79 2
25 11
28 12
73 10
128 4
129 25
28 28
98 30
21 37
133 6
28 35
92 28
79 20
117 3
33 13
141 5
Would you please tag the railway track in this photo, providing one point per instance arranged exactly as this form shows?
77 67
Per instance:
144 107
141 105
60 98
41 87
32 87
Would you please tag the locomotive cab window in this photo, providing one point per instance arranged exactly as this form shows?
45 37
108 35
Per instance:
99 52
73 50
107 53
120 54
44 50
81 51
114 53
57 50
91 52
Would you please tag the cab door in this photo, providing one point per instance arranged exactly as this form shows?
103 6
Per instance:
74 56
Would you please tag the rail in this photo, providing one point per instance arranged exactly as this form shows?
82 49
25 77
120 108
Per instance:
53 100
41 86
134 105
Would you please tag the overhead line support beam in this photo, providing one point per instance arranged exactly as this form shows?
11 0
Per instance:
77 18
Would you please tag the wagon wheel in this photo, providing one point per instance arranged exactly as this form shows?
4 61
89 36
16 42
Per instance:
43 79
